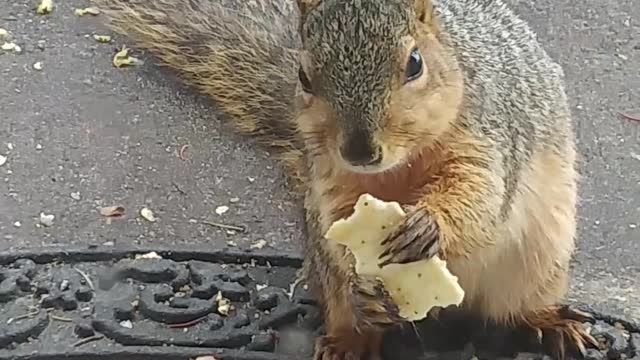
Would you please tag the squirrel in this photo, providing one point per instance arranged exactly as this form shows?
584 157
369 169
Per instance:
452 108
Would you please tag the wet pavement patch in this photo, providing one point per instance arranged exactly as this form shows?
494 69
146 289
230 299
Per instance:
90 304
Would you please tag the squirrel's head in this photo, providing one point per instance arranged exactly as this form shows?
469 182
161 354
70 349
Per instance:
376 82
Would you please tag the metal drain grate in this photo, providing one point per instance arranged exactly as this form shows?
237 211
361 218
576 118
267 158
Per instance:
92 304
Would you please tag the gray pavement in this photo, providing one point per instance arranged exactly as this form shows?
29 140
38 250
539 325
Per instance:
85 134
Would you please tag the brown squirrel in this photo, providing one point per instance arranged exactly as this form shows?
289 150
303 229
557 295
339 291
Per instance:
450 107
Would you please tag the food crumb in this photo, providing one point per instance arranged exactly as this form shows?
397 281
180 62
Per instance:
122 58
147 214
151 255
90 10
102 38
223 304
9 46
45 7
259 244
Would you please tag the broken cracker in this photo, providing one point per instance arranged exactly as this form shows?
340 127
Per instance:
8 46
102 38
90 10
45 7
223 304
415 287
122 58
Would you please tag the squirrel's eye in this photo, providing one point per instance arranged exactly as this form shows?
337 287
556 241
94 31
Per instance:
414 66
304 81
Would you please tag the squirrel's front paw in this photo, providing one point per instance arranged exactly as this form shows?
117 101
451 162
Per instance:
373 305
417 238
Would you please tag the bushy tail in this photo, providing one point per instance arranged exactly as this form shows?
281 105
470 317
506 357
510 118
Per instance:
242 53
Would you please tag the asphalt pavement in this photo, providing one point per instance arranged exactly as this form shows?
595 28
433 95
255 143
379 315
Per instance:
79 134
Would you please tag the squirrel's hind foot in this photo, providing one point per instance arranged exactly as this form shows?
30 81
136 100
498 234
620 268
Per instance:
561 328
349 346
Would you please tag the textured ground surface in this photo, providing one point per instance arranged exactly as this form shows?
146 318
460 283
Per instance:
80 134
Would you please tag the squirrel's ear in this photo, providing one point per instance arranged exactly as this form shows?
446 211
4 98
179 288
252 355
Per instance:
424 10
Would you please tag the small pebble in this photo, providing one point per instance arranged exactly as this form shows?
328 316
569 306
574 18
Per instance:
38 66
3 160
38 147
215 322
10 146
64 285
147 215
241 319
593 354
126 324
46 219
17 224
75 195
84 293
83 329
222 209
234 200
259 244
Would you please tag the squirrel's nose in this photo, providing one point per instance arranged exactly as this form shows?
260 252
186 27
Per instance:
361 155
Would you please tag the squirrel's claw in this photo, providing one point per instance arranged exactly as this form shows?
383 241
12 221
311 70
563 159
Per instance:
415 239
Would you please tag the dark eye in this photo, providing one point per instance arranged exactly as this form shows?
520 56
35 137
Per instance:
304 81
414 66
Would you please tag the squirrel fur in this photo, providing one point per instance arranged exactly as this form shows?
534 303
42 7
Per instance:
476 144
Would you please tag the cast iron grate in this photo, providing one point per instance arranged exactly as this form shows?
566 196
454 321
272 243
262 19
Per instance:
93 304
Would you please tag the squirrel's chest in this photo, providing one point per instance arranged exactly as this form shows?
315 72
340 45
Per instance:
336 195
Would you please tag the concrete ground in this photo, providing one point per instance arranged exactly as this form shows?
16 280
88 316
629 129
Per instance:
80 134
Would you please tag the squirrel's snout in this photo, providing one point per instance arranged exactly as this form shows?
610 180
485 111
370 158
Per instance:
358 154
